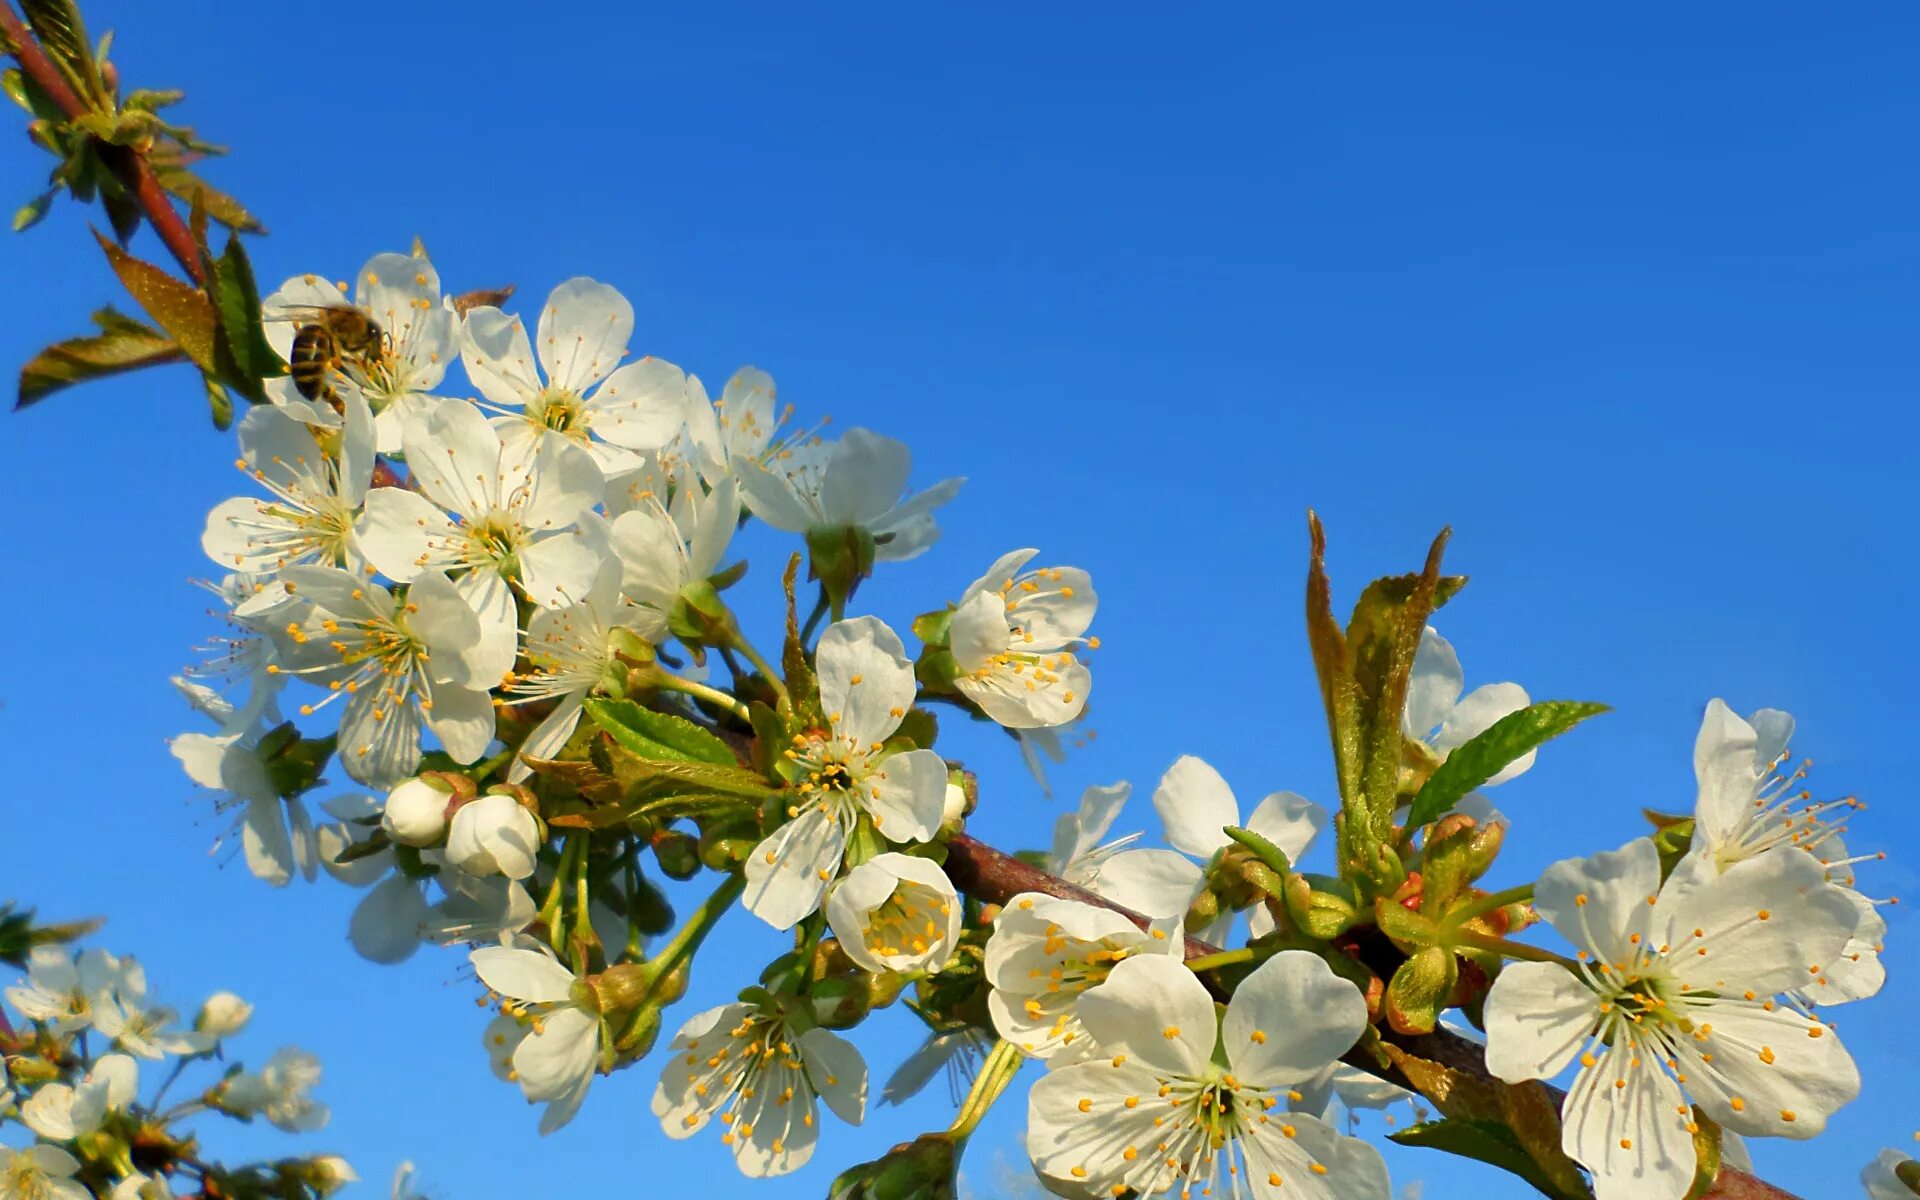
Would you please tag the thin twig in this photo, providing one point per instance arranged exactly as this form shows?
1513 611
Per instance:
128 164
988 875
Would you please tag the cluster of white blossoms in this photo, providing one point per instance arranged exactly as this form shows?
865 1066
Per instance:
503 617
434 590
89 1041
1696 993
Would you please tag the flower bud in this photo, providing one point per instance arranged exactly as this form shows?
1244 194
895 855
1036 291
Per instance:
328 1173
955 806
722 848
1320 906
1458 851
1420 989
416 813
678 854
223 1015
922 1169
1204 911
494 835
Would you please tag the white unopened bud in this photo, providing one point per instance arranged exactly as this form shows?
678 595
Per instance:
416 813
956 804
330 1173
223 1015
494 835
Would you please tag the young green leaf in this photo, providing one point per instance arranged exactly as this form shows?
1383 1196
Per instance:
77 360
1489 1142
29 214
178 181
245 352
673 737
181 309
1481 758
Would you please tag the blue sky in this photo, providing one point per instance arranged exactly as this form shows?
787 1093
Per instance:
1628 300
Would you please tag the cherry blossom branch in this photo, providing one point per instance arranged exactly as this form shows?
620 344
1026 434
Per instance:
991 876
127 163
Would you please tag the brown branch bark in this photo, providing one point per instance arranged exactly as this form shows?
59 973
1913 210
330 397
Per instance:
128 165
988 875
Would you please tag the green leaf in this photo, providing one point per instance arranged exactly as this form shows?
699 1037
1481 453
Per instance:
178 181
118 350
1382 666
1481 758
663 734
248 356
29 214
1488 1142
1329 646
182 310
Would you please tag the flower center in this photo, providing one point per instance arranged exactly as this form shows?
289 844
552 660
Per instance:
561 410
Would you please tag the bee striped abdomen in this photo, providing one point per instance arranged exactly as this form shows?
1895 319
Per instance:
312 360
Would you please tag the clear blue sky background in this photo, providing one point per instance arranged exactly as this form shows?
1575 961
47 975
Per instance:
1628 299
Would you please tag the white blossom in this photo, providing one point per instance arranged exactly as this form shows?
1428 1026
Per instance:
1044 952
1438 716
555 1063
1013 637
315 495
401 293
1674 1004
400 663
1879 1179
40 1172
854 483
569 653
760 1077
55 992
1196 806
1750 805
281 1092
1078 853
1178 1098
866 687
276 834
500 514
896 912
61 1112
117 998
582 334
663 546
956 1052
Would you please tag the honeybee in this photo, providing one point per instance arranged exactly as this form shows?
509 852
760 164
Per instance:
329 338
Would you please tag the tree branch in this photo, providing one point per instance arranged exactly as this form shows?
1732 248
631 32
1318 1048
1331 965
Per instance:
128 164
988 875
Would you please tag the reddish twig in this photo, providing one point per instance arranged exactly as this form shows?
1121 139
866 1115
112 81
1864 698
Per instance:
129 165
988 875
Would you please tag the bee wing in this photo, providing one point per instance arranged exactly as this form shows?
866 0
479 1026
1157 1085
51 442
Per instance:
309 313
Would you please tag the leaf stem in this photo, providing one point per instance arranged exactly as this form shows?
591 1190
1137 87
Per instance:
712 695
1508 949
1488 903
699 924
761 665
